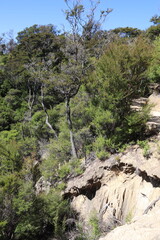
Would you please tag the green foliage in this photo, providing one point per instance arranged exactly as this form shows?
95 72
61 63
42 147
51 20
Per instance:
62 79
122 148
100 143
127 32
146 148
119 77
153 32
100 147
9 135
25 214
10 156
3 225
129 218
24 202
13 99
54 169
94 223
103 155
103 120
82 117
37 124
155 19
6 116
56 209
154 68
136 123
64 170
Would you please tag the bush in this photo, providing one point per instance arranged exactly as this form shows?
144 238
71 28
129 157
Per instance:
146 148
94 223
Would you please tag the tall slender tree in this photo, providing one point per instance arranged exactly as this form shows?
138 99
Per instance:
83 28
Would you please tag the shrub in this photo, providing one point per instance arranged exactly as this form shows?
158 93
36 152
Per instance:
94 223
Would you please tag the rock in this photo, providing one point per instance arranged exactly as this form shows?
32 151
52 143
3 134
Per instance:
42 186
135 156
153 125
146 227
118 190
154 100
124 190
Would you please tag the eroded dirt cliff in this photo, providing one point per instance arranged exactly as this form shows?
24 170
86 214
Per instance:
123 191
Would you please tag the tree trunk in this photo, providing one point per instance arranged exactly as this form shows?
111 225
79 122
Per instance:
31 99
68 116
31 95
47 117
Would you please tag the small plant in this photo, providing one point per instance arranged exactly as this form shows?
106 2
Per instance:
82 235
73 167
78 170
129 218
118 159
123 148
64 170
61 186
76 167
102 155
100 148
146 148
94 222
158 147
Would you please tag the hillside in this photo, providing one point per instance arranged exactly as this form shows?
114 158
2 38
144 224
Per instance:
122 192
79 129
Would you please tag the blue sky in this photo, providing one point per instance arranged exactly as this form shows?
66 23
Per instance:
19 14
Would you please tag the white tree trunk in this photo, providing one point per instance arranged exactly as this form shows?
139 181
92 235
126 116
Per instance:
68 116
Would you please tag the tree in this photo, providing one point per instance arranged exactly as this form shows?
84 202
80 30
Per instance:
7 43
76 55
67 84
155 19
154 68
36 45
127 32
154 31
119 77
37 53
23 213
39 75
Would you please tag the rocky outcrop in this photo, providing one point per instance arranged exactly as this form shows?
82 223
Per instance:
145 228
42 186
154 101
122 189
153 124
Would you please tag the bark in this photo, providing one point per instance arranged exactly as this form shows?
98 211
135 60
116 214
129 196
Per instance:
68 116
31 99
47 116
31 96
